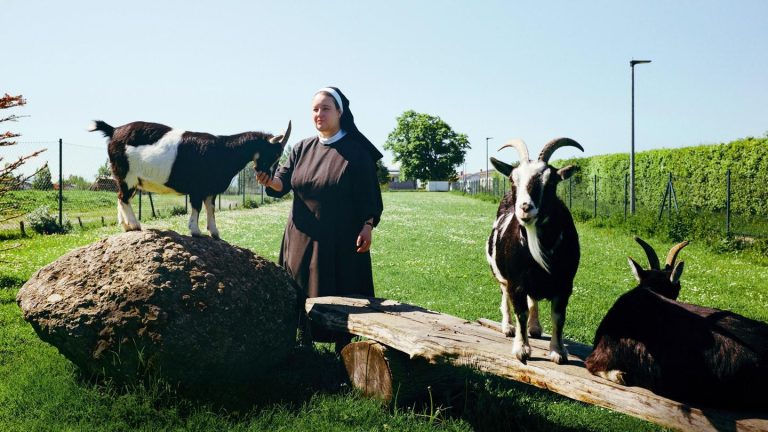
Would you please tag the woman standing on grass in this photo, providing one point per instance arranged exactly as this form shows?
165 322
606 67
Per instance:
336 205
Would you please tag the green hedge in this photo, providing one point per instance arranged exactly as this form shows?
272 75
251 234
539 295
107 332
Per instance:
698 174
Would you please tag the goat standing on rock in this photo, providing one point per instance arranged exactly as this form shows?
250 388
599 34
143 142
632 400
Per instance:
533 248
155 158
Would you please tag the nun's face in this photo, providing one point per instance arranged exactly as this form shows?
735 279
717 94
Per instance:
325 115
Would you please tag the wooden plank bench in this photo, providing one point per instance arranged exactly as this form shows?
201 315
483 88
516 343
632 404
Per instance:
440 338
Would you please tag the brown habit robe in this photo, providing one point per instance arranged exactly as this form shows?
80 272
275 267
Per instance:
335 190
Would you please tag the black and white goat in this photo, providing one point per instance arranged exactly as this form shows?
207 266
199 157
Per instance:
155 158
680 350
533 248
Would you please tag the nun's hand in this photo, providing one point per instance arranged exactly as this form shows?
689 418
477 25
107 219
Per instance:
265 179
364 239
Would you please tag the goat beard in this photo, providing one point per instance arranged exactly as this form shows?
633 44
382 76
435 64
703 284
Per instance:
538 253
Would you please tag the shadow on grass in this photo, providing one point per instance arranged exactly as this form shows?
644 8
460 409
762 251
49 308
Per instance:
492 404
305 373
11 282
487 403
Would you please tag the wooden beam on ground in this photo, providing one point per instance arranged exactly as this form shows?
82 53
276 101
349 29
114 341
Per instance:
441 338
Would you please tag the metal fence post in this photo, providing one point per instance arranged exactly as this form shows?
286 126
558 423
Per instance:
669 185
595 187
140 194
570 192
728 203
61 187
151 204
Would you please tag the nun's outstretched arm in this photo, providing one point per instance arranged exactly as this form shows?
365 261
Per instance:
273 183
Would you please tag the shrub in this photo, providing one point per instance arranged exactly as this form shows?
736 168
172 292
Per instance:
178 210
251 204
43 222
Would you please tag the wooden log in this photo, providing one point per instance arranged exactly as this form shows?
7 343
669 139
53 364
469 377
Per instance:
390 376
440 338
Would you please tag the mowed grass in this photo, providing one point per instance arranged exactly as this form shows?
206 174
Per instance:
92 206
429 251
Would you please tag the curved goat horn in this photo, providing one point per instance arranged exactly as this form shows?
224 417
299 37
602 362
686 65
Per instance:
282 139
555 144
672 255
653 259
287 134
518 145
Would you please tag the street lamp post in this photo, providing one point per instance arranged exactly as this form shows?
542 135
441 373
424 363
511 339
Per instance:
486 162
632 64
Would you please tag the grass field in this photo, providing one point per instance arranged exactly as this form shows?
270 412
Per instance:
428 251
91 206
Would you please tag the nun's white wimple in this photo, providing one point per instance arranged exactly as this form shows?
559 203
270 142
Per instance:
335 95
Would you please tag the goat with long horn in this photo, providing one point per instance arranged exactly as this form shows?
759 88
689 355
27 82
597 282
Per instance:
679 350
533 249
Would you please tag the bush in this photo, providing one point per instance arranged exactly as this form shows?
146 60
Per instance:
251 204
43 222
178 210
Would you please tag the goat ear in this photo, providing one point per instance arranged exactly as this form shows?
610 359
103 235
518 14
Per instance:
566 172
637 270
502 167
677 272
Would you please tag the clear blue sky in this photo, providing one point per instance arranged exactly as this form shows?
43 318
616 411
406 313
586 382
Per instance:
501 69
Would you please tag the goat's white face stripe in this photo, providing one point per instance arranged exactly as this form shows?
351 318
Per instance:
524 174
153 162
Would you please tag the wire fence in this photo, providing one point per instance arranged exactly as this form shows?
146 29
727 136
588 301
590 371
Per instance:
96 202
734 207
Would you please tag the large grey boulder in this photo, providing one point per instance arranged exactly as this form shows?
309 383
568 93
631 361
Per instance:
193 311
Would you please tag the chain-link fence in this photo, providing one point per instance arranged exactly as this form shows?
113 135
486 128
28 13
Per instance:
733 206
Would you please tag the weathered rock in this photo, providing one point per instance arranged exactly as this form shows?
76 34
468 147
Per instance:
194 311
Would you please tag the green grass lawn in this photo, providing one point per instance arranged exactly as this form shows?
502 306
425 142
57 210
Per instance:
92 206
429 251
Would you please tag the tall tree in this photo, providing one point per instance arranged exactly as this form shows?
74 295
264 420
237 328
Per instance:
426 147
382 172
9 180
104 171
42 180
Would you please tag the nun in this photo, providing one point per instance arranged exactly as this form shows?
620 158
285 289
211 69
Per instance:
336 205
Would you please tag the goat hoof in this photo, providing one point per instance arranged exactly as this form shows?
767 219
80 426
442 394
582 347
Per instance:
507 329
559 357
522 353
195 234
615 375
215 236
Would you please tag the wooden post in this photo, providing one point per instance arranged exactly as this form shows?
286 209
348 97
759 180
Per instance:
389 375
102 221
79 221
21 226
